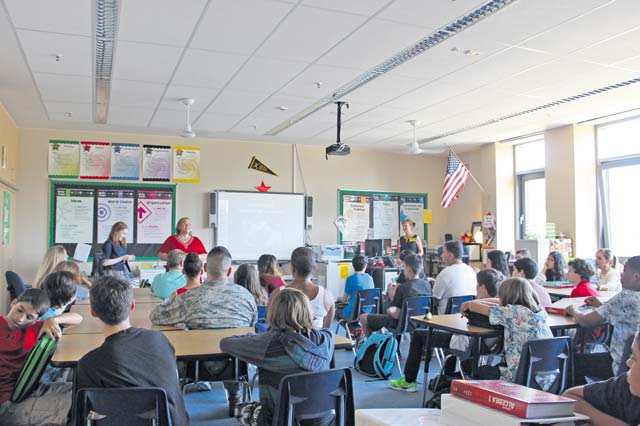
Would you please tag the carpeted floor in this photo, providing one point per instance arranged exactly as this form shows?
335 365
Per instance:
210 407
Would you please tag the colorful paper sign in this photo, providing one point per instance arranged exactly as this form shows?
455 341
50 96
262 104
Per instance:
385 220
156 163
356 213
114 206
186 164
154 216
64 159
95 160
125 161
74 215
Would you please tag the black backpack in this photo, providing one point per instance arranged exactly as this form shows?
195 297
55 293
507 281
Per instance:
441 383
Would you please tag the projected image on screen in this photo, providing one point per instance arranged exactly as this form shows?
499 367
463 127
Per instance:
252 224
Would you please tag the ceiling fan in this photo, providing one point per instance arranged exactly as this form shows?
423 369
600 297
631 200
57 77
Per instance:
414 149
188 131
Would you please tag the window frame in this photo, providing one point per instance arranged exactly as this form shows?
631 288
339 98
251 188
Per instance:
521 179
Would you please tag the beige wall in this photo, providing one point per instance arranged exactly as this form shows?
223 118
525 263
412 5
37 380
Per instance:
224 166
9 139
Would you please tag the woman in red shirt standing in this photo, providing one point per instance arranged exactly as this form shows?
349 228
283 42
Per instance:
183 240
579 274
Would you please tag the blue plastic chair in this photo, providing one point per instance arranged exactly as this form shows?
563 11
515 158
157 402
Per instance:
319 398
134 406
261 325
545 365
454 303
367 302
15 284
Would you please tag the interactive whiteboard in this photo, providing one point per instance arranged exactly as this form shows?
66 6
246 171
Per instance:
250 224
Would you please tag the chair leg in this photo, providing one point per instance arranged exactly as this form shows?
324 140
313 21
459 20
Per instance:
398 364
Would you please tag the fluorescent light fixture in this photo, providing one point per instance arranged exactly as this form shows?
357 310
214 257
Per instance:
106 23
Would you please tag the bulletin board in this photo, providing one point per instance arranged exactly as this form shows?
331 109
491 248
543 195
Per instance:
378 215
83 212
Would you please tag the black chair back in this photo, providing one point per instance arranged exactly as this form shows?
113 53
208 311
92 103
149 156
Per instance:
454 303
412 306
545 364
15 285
96 267
134 406
319 398
369 301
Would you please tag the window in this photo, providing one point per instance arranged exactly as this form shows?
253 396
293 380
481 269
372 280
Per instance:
618 148
530 189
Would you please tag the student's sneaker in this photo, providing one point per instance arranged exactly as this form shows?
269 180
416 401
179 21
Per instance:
401 384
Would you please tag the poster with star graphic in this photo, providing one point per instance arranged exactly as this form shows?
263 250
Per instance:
64 159
95 160
125 161
186 164
156 163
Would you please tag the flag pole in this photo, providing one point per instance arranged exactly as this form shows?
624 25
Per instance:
470 174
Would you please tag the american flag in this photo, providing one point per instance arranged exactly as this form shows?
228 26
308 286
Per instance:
457 175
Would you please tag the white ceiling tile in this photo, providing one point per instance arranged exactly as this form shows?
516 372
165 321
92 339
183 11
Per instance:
428 13
145 62
307 33
448 57
255 123
384 88
41 49
238 26
169 119
265 74
136 94
308 127
170 22
207 69
330 79
432 93
380 115
69 111
523 19
232 101
359 7
631 63
64 88
129 116
293 104
615 18
62 16
375 42
614 50
375 134
175 93
217 122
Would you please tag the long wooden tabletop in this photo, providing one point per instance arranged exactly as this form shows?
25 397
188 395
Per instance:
455 323
140 295
92 325
566 292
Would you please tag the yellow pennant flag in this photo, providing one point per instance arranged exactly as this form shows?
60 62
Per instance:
258 165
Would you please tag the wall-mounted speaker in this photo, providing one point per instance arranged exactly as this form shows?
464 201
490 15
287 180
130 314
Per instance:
213 202
308 210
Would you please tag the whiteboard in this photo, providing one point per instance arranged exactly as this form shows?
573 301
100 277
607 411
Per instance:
250 224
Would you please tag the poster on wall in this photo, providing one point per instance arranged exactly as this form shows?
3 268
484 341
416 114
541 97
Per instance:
356 212
125 161
156 163
385 219
186 164
6 218
95 160
64 159
114 206
74 215
154 216
412 208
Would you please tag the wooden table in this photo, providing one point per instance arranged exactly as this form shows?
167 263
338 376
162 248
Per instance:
140 295
90 324
561 293
401 417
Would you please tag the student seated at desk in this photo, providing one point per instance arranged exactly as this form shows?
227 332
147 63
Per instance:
521 253
192 268
397 294
129 356
614 402
290 345
555 269
247 276
270 275
61 289
355 282
54 255
457 279
488 282
497 260
528 269
71 266
518 310
402 277
621 311
167 282
609 277
579 274
19 332
217 303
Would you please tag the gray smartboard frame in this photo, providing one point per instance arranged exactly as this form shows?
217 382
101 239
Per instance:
215 220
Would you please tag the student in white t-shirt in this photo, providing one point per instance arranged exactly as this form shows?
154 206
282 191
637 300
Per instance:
457 279
609 278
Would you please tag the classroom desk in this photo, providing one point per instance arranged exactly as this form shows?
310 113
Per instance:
140 295
401 417
90 324
561 293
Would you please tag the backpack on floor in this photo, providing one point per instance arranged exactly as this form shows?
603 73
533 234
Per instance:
441 383
376 356
31 371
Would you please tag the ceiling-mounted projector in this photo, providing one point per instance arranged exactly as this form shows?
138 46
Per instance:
338 148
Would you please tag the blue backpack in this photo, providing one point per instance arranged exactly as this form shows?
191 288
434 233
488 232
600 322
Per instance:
376 356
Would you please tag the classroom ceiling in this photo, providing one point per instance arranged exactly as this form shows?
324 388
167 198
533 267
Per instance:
255 67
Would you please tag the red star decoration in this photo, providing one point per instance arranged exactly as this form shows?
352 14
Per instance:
263 187
87 148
